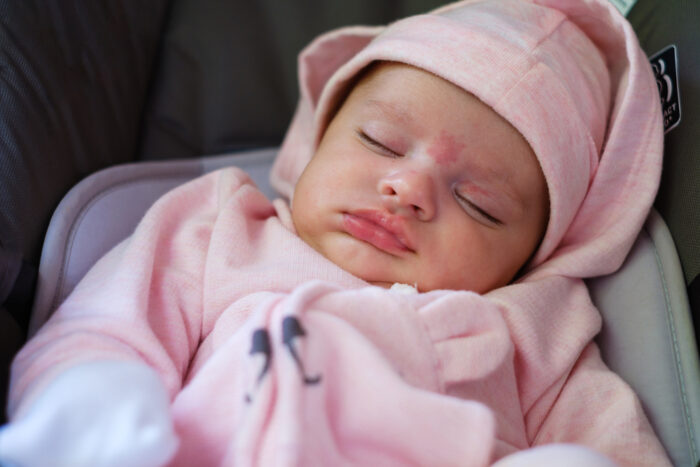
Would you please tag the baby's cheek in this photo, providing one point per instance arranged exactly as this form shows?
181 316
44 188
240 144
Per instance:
467 263
436 272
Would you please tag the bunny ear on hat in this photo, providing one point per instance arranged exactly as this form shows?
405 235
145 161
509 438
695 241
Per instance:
623 188
316 64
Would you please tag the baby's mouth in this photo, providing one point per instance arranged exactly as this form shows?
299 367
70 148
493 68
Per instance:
381 230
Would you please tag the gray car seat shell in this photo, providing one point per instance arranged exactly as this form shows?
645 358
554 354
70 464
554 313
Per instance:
658 24
647 334
105 207
648 338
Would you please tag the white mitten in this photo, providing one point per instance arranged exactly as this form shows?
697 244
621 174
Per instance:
98 414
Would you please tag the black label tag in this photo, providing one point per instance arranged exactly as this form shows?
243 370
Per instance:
665 66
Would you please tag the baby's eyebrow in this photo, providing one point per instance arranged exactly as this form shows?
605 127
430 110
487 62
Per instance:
506 191
498 181
392 110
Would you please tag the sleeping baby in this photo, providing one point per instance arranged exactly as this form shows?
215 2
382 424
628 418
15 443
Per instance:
416 296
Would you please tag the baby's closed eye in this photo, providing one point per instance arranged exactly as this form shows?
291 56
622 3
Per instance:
474 209
376 145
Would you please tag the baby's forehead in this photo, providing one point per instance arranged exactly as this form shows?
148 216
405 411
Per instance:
402 94
388 87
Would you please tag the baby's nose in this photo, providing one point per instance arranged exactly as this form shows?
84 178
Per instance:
409 192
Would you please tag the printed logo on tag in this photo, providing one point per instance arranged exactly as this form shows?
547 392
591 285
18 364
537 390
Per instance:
623 5
665 66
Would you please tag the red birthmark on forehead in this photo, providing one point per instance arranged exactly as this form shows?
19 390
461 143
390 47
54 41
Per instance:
445 148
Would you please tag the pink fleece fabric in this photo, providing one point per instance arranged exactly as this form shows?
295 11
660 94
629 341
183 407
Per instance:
272 355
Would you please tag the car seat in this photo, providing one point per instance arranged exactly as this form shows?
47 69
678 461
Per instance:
644 305
212 89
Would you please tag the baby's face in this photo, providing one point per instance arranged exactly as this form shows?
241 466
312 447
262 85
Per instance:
417 181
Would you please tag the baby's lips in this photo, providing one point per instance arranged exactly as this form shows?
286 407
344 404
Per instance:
394 224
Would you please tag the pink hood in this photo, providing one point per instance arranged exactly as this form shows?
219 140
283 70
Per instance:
568 74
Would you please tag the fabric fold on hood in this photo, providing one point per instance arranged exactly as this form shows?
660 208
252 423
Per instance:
569 75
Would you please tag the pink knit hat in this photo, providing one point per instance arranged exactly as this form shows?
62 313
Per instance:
568 74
